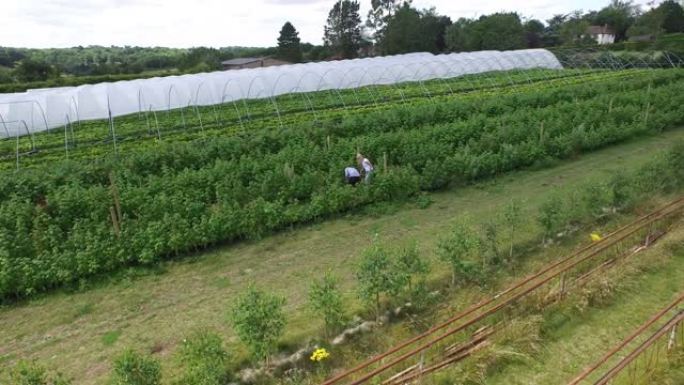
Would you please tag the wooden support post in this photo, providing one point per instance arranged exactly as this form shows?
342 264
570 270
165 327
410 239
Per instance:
115 222
115 196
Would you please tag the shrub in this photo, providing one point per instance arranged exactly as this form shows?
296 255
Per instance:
325 299
132 368
622 190
30 373
552 216
378 276
258 320
205 359
512 217
596 197
457 250
409 264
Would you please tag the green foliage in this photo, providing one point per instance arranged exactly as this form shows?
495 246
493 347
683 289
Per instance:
410 265
325 299
132 368
552 216
111 337
31 373
534 32
619 15
596 199
458 249
258 320
675 164
650 23
187 193
499 31
204 358
672 16
377 275
574 29
622 190
288 44
342 32
490 243
409 30
380 13
512 218
30 70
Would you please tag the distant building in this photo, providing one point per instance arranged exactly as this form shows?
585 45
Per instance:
251 62
602 34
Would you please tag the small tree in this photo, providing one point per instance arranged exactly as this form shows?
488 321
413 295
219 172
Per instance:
622 191
490 243
552 216
512 215
325 299
410 265
377 275
595 198
289 48
457 249
132 368
258 320
205 359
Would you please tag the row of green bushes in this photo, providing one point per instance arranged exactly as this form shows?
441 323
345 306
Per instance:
57 230
72 81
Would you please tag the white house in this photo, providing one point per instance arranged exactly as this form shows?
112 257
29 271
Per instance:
602 34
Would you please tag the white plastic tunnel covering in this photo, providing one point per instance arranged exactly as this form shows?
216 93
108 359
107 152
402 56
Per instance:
43 109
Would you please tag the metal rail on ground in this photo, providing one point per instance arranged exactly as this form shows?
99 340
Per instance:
503 300
639 332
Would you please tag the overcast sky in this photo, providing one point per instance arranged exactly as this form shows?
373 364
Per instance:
215 23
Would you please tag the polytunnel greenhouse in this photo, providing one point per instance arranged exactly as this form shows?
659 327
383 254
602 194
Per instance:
39 110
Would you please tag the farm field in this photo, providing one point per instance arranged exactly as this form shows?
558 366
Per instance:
299 109
64 221
79 332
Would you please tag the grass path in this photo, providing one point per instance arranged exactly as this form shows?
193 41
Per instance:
80 332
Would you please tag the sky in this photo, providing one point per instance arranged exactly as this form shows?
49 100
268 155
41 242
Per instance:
212 23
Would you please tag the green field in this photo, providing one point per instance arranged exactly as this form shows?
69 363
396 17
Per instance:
79 333
138 245
64 221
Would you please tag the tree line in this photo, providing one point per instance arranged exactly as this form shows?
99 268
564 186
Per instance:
390 27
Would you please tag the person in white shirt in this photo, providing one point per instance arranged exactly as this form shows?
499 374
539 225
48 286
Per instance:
352 176
366 167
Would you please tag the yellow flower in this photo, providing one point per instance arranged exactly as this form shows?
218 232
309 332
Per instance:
595 237
319 355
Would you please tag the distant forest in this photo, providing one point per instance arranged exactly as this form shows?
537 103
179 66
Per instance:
391 27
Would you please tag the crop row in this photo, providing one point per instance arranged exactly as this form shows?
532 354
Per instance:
246 113
51 147
77 219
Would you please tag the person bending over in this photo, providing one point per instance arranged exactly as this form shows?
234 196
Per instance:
352 176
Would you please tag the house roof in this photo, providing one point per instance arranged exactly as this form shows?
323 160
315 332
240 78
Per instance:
241 61
600 30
